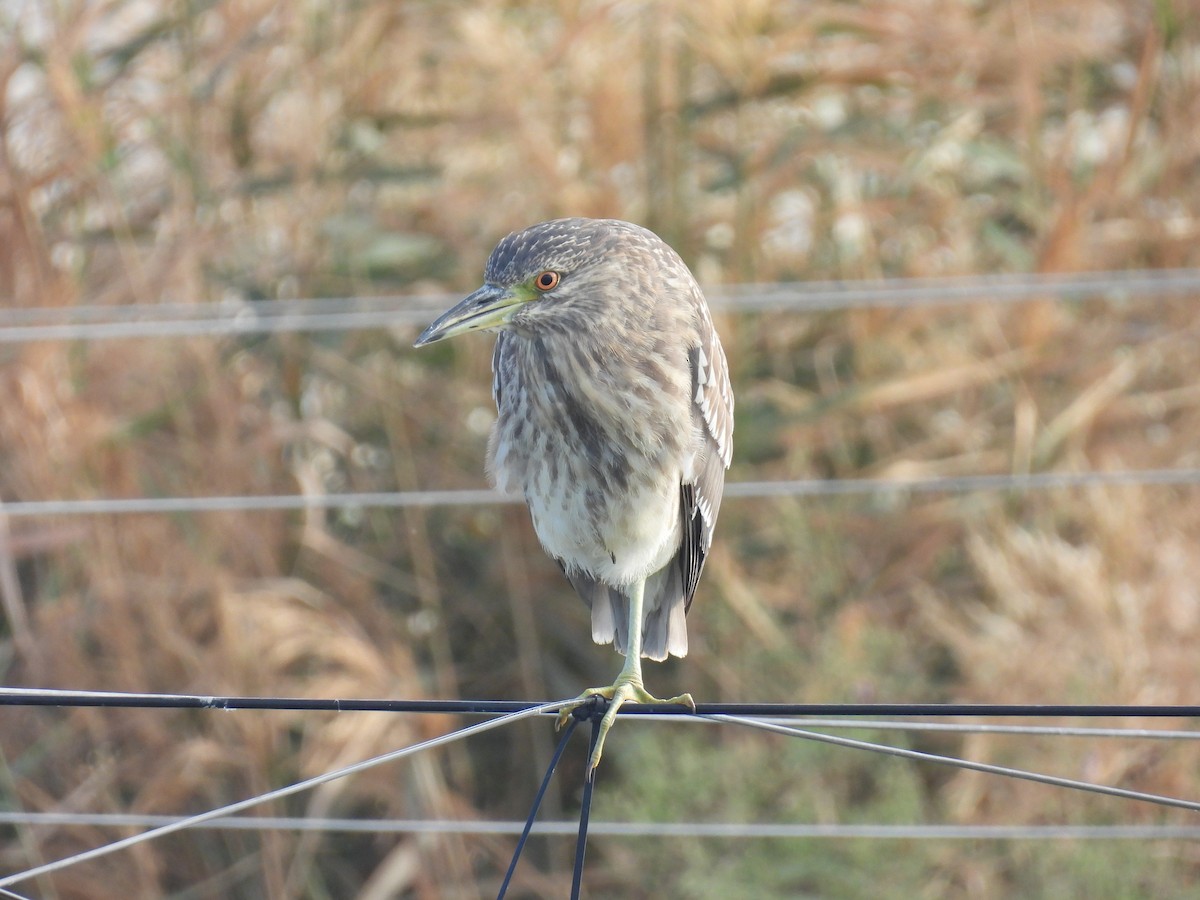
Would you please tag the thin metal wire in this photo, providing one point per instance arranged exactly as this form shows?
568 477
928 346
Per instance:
20 325
213 816
253 503
747 830
922 292
954 728
226 310
537 803
742 490
236 325
16 696
585 811
964 764
287 791
963 483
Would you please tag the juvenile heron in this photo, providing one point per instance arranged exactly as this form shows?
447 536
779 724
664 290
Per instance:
615 423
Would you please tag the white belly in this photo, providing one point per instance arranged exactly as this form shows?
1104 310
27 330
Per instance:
617 542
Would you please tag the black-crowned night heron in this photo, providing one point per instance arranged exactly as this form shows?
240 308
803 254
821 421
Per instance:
615 423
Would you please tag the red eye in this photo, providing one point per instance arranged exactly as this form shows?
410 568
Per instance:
547 281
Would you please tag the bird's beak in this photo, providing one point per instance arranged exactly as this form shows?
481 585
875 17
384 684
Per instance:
488 307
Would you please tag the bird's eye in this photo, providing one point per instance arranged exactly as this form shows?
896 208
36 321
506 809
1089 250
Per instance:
547 281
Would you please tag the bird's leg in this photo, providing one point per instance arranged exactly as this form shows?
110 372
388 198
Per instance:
628 686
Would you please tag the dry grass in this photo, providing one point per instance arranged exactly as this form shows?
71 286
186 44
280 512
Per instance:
192 152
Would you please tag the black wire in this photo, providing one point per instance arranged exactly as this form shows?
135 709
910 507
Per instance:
585 813
537 802
501 707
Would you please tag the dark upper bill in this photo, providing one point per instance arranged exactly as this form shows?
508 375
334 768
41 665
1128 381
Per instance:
488 307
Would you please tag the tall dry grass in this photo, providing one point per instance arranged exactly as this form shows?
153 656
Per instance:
155 152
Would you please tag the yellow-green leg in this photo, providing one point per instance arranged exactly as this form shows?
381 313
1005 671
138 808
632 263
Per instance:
628 686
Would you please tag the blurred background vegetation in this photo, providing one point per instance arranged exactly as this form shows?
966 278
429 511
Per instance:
205 151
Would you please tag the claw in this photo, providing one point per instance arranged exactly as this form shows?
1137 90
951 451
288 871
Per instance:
581 706
616 695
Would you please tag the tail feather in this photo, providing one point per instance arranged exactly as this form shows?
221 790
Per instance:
664 630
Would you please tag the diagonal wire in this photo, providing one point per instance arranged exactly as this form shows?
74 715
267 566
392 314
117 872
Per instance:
1050 730
290 789
537 802
963 763
585 812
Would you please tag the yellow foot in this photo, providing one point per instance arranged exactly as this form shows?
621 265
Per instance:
617 695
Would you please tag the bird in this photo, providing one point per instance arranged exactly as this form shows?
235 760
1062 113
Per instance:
614 422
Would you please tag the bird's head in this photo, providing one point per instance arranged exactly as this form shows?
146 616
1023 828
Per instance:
562 275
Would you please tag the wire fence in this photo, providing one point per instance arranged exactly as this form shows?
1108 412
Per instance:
745 715
169 320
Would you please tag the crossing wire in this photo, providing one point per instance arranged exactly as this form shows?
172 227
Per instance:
287 791
20 696
69 698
